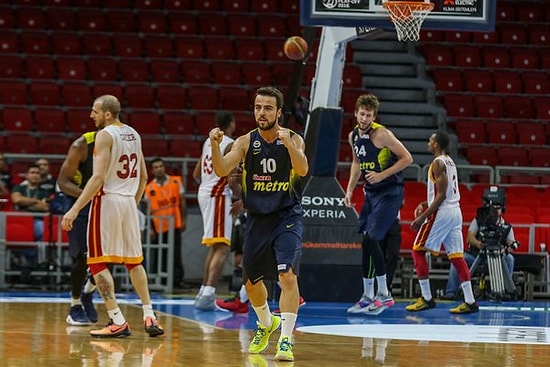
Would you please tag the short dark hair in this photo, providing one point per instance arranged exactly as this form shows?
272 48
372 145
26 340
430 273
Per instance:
156 160
271 92
442 139
224 119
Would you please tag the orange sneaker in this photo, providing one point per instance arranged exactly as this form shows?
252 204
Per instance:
152 327
112 330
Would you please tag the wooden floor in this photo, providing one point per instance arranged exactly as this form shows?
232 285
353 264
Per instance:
33 332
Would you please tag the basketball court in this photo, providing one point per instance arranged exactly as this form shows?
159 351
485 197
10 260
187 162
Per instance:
33 332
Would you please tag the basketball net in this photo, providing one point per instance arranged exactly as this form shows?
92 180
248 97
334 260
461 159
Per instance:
407 16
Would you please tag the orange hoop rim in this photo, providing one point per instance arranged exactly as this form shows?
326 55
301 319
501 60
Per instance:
411 7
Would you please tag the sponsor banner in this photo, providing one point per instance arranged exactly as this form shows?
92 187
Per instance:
330 228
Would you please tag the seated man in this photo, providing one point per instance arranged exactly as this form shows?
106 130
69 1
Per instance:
488 223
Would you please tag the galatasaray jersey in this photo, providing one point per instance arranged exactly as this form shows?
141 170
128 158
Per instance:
212 184
452 198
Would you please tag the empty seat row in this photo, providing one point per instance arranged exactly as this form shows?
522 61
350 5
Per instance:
489 56
148 21
507 156
510 34
494 106
475 131
490 80
132 46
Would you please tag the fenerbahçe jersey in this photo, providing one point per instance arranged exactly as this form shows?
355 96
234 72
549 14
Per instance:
270 183
374 159
85 169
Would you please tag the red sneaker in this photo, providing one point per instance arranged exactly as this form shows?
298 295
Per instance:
232 305
277 312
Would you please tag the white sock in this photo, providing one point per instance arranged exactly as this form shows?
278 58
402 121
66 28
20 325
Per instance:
382 286
117 316
264 315
425 289
288 321
468 293
208 290
89 287
243 295
148 311
368 287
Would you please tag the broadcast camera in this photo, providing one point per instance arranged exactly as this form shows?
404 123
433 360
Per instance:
492 231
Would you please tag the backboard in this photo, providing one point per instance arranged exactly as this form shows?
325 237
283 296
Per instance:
472 15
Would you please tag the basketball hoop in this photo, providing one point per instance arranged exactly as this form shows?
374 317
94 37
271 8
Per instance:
408 16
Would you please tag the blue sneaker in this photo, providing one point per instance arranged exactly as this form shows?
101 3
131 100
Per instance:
88 305
77 316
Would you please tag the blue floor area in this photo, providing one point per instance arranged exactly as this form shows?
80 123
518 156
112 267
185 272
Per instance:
514 314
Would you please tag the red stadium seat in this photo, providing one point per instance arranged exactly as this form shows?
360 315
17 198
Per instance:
32 19
77 95
227 73
489 106
213 24
165 71
234 98
273 26
40 67
158 47
274 50
79 121
52 230
466 56
542 107
257 74
501 132
97 44
53 144
524 58
517 106
539 34
513 156
108 88
535 82
539 157
9 43
482 155
459 105
139 96
71 68
220 48
127 45
22 143
485 37
178 123
203 97
242 26
249 49
196 71
92 21
155 147
478 81
122 21
152 22
66 44
495 57
457 36
11 67
61 19
265 6
512 34
182 23
35 43
470 131
44 94
14 93
172 96
189 47
134 70
7 18
448 80
207 5
236 6
102 69
17 119
146 123
438 55
50 120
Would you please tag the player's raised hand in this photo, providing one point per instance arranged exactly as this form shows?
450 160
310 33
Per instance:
284 135
215 135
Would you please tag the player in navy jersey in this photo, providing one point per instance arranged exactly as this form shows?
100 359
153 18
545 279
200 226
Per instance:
273 161
378 157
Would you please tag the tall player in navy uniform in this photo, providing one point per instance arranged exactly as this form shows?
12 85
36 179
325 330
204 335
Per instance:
75 172
273 160
378 157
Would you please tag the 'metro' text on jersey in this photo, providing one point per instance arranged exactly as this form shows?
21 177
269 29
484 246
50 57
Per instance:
264 183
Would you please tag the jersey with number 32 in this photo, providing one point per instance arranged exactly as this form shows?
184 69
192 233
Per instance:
123 173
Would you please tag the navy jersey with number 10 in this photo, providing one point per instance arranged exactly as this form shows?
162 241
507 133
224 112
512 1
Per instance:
269 182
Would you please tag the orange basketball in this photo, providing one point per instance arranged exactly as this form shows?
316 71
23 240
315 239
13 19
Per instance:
295 48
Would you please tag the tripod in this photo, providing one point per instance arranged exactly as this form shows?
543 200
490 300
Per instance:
502 285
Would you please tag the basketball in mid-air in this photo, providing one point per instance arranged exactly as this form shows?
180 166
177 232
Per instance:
295 48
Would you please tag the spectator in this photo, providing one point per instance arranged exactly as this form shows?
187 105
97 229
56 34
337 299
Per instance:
46 178
6 179
166 195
